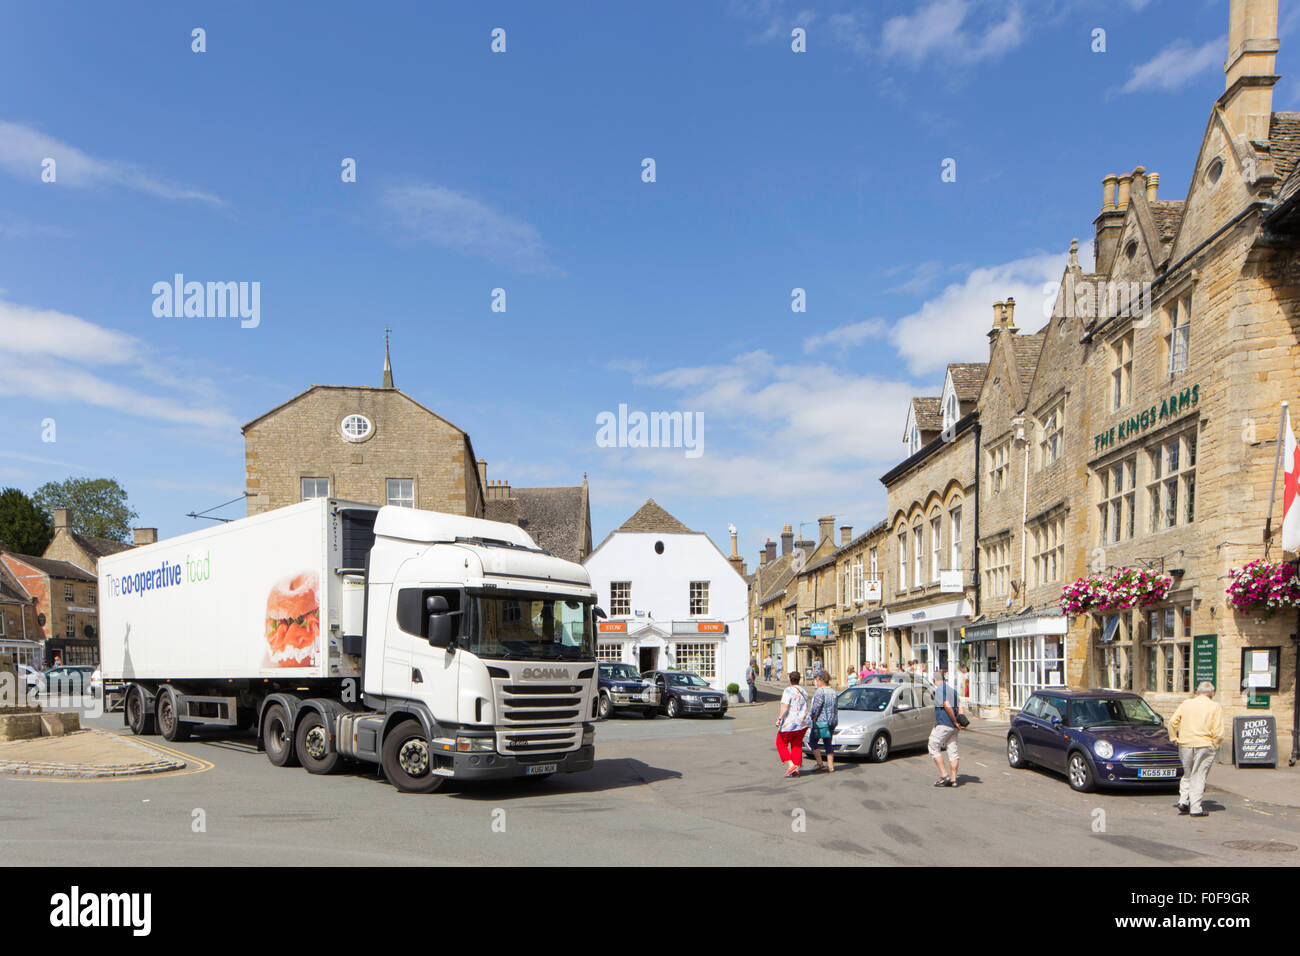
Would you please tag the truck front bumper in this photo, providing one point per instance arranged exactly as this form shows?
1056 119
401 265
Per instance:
484 766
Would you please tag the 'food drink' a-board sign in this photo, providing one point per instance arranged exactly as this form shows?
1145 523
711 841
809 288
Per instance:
1254 741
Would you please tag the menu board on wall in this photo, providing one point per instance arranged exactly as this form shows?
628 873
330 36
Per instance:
1205 659
1254 741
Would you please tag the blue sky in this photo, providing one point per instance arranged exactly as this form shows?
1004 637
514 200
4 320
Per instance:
522 170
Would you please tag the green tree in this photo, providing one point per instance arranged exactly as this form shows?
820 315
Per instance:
99 505
24 527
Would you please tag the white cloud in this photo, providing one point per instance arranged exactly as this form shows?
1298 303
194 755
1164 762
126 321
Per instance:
24 148
846 336
940 31
461 223
1175 66
52 356
951 326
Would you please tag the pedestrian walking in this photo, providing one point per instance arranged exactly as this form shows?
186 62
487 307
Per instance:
947 724
816 668
767 668
1197 728
751 673
824 715
851 678
777 665
791 725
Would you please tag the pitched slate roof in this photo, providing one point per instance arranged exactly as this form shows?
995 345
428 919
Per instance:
968 379
1027 349
651 518
929 413
1284 143
56 569
99 547
554 517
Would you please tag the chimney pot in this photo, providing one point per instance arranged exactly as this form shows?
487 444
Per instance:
846 533
1153 186
144 536
1108 192
769 553
62 518
825 528
787 540
1124 182
997 315
1009 314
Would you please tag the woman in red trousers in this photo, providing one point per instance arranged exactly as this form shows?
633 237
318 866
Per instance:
791 725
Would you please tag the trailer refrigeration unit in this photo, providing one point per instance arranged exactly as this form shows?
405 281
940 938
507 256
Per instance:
435 645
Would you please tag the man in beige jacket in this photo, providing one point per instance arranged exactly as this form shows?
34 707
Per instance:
1197 728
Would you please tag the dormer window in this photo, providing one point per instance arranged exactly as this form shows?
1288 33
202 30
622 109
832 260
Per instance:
951 411
914 442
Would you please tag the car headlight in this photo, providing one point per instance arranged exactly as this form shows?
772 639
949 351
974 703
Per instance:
1103 749
692 698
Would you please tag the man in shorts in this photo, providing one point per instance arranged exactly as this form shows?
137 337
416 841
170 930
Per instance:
947 705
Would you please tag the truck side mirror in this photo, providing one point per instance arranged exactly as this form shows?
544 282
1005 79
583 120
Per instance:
599 613
439 630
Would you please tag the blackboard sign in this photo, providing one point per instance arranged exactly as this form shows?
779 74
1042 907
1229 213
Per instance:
1254 741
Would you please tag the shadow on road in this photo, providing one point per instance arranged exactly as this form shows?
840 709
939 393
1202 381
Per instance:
614 774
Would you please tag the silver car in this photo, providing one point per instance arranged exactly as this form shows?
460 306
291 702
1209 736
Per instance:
877 719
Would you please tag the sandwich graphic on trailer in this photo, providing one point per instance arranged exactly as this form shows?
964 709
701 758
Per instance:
293 620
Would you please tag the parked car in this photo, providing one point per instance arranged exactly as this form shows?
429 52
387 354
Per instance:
877 718
110 690
681 692
68 679
622 688
896 678
1096 738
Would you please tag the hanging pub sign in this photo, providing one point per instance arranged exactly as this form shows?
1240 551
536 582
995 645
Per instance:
1254 741
1168 408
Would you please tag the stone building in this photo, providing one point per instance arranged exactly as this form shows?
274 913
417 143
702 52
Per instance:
20 633
928 576
85 550
860 616
558 519
66 606
812 592
767 597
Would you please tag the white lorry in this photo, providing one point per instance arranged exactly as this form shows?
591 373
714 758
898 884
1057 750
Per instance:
438 646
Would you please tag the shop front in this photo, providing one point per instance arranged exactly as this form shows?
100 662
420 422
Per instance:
933 633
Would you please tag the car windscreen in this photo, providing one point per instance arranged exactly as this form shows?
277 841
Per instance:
1111 712
619 672
870 699
531 627
687 680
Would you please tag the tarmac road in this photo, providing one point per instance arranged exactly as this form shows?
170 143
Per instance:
691 791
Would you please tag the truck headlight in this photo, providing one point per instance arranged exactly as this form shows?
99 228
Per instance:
476 745
1103 749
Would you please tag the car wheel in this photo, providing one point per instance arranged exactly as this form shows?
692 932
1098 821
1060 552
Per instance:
1016 752
1079 771
672 709
880 747
408 761
606 709
169 724
138 717
277 740
312 746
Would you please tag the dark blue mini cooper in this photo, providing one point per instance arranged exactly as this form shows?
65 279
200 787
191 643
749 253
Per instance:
1097 738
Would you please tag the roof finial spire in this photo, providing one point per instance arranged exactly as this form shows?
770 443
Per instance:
388 365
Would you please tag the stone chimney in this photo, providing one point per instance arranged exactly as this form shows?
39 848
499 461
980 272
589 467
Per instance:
1247 98
1153 185
999 319
482 475
497 490
846 534
825 528
1009 315
62 519
144 536
787 540
1125 183
1108 224
769 551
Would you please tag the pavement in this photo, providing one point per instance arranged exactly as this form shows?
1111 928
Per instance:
87 753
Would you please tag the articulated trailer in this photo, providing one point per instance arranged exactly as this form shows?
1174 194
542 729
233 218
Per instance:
438 646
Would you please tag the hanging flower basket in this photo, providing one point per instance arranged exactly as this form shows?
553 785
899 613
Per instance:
1262 588
1124 589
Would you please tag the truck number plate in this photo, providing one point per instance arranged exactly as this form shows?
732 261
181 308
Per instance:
540 768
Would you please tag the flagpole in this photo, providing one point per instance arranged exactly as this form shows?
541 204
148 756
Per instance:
1277 458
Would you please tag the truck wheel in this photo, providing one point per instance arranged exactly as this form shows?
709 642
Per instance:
276 739
169 725
407 759
606 707
313 746
138 717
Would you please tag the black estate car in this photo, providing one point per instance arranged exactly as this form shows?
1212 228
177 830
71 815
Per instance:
681 692
1097 738
622 688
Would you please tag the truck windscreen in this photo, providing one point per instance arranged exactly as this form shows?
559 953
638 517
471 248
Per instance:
531 627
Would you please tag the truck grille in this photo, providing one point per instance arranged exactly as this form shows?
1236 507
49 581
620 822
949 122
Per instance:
1151 758
526 742
541 703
